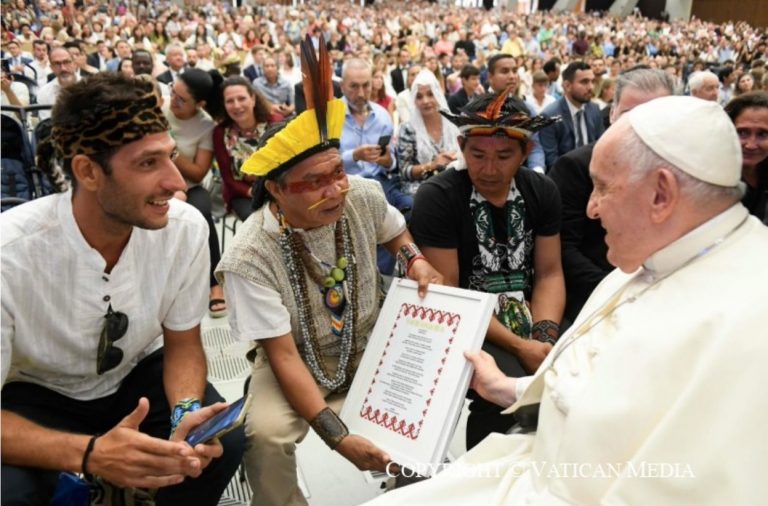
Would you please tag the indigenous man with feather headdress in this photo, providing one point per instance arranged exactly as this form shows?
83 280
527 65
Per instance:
303 282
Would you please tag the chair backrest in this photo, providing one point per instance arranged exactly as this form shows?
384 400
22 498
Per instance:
20 178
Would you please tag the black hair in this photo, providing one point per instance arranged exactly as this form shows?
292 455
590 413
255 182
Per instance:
493 60
205 86
78 104
71 44
468 71
570 71
724 73
551 65
259 190
737 105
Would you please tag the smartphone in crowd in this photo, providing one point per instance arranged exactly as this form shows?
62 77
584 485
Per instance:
384 143
223 422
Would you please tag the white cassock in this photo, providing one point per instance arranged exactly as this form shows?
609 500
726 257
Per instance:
662 402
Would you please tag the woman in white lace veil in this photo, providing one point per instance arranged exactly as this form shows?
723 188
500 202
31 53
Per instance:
428 142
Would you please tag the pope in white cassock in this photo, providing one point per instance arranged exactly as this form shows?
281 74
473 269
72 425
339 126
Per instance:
656 394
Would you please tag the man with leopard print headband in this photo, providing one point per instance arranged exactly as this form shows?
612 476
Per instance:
104 287
494 226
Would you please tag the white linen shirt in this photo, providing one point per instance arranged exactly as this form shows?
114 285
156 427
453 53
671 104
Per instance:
55 294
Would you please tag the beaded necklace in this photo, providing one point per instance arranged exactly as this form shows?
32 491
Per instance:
298 260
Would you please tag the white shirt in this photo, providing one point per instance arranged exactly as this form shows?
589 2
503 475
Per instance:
21 91
272 318
43 69
55 294
537 108
49 93
191 134
667 379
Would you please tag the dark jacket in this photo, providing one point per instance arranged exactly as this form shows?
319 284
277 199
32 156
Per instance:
558 139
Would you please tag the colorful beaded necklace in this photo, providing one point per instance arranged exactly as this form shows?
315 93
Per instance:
339 288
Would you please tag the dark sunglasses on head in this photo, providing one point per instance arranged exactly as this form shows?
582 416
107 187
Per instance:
115 327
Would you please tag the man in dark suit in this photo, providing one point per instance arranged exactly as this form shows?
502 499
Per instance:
256 69
174 59
301 103
470 81
581 121
583 239
399 73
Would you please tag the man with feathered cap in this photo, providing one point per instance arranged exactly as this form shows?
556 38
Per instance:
494 226
304 287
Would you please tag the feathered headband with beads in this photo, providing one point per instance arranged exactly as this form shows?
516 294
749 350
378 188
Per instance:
314 130
500 117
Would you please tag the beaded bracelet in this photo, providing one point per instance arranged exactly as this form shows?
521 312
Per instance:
86 456
181 409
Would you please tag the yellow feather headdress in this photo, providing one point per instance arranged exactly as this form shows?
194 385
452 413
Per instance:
314 130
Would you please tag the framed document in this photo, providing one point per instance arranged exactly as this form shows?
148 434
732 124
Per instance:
408 391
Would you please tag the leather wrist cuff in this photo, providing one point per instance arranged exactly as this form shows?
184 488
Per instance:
329 427
546 331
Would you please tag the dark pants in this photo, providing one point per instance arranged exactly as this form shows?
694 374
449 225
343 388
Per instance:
200 199
29 486
485 417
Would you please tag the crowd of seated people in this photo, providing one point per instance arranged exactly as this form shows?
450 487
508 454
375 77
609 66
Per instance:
227 75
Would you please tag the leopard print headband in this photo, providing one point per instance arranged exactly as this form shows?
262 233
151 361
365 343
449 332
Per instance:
111 126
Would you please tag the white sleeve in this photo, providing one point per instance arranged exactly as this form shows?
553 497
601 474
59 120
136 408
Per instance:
521 385
392 226
255 311
6 352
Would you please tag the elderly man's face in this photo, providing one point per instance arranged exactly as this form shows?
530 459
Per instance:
313 192
708 90
621 205
175 59
356 86
63 66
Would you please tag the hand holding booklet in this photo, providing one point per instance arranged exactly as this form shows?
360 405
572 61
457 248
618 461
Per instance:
409 389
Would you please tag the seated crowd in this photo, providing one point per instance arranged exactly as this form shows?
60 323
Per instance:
567 163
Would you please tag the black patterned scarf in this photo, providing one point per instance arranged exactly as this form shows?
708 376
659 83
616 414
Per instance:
504 268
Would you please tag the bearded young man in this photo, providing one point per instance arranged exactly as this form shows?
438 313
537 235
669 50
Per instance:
103 286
